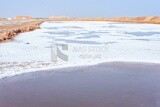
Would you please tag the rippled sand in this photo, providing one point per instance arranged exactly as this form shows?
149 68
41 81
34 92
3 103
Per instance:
114 84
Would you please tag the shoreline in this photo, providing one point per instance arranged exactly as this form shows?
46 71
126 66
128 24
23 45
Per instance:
25 72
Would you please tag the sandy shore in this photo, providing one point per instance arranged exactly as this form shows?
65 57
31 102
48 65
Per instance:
114 84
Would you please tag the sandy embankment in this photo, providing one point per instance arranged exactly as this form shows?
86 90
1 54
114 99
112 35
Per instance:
9 31
148 19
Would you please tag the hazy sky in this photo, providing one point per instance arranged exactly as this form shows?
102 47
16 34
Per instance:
79 8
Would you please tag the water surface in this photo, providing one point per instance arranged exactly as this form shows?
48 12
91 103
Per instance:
114 84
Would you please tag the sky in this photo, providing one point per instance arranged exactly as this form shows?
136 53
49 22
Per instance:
79 8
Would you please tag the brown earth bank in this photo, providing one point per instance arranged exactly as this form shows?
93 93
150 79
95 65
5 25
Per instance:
149 20
9 31
144 19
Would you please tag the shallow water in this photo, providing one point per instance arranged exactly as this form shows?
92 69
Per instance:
114 84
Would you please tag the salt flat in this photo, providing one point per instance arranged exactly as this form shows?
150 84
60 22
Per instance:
87 43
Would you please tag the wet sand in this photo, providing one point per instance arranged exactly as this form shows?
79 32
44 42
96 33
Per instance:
113 84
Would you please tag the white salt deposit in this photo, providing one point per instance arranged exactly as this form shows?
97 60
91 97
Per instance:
84 43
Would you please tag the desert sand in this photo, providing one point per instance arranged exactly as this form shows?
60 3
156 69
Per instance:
148 19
